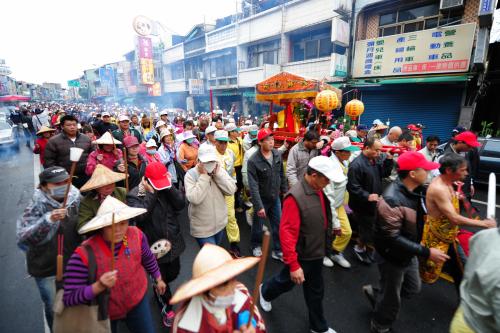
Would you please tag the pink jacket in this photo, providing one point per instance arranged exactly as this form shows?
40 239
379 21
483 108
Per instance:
109 160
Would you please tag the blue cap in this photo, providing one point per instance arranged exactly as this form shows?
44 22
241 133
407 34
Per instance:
362 127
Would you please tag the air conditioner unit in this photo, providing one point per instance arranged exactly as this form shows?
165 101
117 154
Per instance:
200 75
451 4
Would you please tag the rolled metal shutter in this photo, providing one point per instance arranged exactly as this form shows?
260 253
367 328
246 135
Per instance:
435 106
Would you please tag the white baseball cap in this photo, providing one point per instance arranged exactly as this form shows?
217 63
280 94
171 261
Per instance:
160 123
163 113
231 127
207 153
105 114
221 136
210 129
344 143
327 167
123 117
151 143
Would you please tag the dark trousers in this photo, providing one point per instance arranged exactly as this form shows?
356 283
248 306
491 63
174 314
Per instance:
313 288
138 320
273 213
239 187
395 281
366 225
169 272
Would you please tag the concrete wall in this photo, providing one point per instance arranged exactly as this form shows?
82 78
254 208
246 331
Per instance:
312 69
173 54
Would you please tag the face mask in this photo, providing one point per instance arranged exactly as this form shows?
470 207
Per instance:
190 141
222 302
58 192
210 166
151 151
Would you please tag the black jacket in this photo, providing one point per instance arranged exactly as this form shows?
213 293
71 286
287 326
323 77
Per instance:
399 224
162 218
102 127
266 181
135 173
365 178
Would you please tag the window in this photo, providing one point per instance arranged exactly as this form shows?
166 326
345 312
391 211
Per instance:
265 53
413 19
311 45
177 71
223 66
492 148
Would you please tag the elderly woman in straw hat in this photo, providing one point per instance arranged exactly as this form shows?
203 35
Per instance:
123 274
213 301
101 185
105 154
44 134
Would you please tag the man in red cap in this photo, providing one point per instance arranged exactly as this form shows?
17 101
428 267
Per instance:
161 225
464 144
267 181
400 213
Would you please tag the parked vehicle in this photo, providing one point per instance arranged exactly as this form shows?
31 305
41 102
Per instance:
8 136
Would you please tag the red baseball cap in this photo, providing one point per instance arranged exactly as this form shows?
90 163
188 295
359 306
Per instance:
412 160
158 176
469 138
413 127
264 133
130 141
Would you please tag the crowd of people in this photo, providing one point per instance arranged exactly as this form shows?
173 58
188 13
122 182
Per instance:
92 240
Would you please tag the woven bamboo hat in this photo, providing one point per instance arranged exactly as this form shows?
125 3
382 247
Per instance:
104 217
212 266
45 129
107 139
102 176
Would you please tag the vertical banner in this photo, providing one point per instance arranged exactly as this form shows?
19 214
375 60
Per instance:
145 52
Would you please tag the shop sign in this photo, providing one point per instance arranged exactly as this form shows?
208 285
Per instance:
196 87
338 65
440 50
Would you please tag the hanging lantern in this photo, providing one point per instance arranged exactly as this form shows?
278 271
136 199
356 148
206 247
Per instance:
354 108
326 101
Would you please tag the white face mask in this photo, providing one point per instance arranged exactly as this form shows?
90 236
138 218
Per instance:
222 302
210 166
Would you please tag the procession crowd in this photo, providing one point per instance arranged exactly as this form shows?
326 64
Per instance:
105 217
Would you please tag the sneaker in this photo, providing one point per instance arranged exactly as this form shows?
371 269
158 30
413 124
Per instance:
370 295
248 204
234 250
374 328
265 305
340 260
330 330
363 257
327 262
277 255
238 210
257 251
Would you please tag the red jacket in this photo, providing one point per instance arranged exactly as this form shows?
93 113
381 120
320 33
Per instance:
289 230
39 148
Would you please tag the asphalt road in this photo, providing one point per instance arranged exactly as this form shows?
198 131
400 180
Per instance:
346 309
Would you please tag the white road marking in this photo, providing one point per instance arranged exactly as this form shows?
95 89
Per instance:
483 203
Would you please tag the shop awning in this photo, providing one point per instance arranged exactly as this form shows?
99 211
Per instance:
410 80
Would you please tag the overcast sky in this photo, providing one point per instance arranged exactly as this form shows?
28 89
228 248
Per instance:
55 40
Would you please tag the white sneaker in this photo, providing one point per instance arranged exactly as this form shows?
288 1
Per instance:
277 255
257 252
340 260
330 330
265 305
327 262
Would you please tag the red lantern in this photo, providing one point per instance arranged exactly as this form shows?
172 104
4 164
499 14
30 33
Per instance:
354 108
326 101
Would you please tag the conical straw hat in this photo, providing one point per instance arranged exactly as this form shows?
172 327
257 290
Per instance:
102 176
105 212
44 129
107 139
212 266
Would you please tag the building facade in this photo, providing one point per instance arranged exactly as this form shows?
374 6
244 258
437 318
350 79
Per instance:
418 62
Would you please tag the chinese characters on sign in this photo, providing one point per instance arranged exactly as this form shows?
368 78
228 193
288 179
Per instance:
145 50
442 50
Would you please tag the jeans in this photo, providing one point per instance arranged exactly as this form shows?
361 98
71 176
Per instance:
313 289
138 320
47 288
395 281
215 239
273 213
